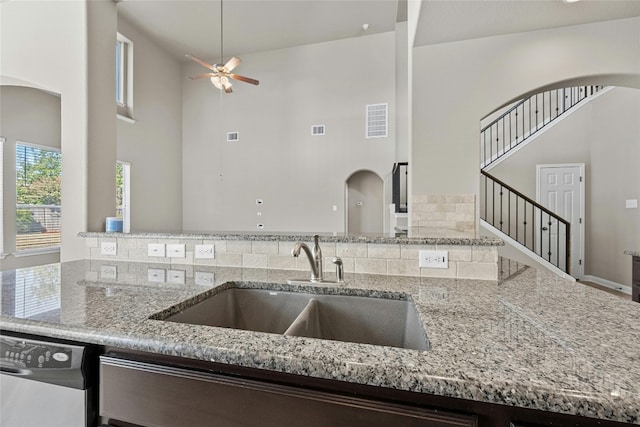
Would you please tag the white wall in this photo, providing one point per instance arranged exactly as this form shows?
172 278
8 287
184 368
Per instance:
300 177
604 134
456 84
26 115
153 144
52 45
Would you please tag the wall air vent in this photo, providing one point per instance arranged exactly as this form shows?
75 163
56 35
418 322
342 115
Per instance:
317 130
377 120
233 136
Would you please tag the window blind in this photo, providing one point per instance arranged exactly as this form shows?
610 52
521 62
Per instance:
38 191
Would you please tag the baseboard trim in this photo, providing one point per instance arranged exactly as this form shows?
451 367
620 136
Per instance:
607 283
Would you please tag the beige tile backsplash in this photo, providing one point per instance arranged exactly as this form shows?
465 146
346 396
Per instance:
473 262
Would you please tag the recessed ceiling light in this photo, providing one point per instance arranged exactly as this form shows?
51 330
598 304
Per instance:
570 1
365 27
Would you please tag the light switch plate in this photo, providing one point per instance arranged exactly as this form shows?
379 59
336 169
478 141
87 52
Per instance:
631 203
433 259
176 276
156 275
176 251
156 249
204 252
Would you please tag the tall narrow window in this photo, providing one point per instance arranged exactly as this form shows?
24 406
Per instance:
124 73
38 191
122 195
1 195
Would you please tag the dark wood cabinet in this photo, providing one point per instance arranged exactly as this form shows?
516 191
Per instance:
143 389
149 394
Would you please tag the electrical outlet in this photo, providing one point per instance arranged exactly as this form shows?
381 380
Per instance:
155 249
176 251
108 248
155 275
433 259
176 276
204 278
204 252
108 272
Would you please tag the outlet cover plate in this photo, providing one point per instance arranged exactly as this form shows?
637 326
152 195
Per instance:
204 252
108 272
204 278
108 248
433 259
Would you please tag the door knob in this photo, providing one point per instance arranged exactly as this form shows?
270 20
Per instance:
544 228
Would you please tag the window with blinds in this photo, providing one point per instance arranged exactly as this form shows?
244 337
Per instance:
38 191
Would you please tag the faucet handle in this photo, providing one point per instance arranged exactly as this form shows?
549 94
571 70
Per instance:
339 269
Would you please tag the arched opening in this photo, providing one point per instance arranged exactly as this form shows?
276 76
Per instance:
365 203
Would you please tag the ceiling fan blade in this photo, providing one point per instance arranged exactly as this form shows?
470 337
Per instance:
232 63
244 79
201 62
202 76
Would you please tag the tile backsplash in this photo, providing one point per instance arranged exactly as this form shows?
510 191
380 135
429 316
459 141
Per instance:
450 211
398 259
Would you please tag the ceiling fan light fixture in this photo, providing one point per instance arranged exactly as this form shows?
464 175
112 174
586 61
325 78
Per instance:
224 80
216 82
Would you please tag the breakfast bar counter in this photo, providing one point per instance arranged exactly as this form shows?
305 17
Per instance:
529 340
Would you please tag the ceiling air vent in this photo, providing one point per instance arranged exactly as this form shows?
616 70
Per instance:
233 136
376 121
317 130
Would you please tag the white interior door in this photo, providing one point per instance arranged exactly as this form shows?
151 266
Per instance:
560 188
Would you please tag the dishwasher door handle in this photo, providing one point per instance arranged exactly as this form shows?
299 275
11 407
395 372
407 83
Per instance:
18 372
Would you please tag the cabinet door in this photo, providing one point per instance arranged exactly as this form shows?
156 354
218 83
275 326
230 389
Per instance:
155 395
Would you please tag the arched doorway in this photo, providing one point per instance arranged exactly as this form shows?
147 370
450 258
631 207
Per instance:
365 203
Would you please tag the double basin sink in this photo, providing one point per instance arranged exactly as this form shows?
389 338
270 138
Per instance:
368 320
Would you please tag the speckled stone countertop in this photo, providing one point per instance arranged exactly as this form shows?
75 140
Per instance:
414 236
632 253
531 340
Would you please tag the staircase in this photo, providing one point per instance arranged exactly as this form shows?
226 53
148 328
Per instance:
517 218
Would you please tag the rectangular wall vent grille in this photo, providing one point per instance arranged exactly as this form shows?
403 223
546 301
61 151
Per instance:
233 136
376 121
317 130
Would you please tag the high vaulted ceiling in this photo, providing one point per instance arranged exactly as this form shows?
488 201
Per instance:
190 26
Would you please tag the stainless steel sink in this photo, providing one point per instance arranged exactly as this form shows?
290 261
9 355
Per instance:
368 320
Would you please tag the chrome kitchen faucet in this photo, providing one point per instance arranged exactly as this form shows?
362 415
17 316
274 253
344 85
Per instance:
315 258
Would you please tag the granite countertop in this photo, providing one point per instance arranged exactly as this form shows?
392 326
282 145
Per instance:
531 340
414 236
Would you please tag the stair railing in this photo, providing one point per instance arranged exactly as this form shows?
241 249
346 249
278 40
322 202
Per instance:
526 118
526 221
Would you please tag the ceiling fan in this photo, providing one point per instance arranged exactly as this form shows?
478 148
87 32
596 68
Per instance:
221 74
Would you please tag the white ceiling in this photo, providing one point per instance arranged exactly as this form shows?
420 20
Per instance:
193 26
444 21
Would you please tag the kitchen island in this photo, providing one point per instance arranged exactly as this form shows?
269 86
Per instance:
530 340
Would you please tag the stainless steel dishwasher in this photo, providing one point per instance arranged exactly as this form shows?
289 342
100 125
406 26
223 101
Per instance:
46 383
